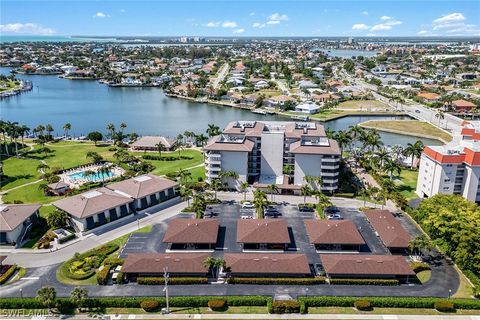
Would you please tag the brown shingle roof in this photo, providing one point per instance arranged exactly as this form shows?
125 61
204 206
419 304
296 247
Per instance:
262 231
187 263
371 265
192 231
13 215
333 232
266 263
392 233
333 149
144 185
92 202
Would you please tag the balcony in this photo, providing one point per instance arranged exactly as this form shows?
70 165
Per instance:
212 168
329 174
332 166
213 161
211 175
330 159
214 155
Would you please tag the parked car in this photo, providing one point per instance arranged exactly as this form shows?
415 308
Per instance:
246 217
305 209
332 210
247 205
334 216
417 111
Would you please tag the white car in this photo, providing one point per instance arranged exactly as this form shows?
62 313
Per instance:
246 217
247 205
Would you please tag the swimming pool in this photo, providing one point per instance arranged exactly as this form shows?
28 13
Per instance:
95 177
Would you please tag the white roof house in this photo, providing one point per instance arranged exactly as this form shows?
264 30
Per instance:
307 107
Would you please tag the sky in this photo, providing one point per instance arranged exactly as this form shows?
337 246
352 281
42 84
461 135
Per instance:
241 18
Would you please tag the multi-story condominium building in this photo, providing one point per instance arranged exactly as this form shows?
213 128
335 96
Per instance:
453 168
274 152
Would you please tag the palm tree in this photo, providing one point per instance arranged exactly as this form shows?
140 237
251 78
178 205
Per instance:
315 182
420 243
215 184
111 129
414 150
397 151
260 202
47 296
272 189
213 130
66 128
244 188
94 156
201 139
78 296
49 130
23 132
305 191
4 129
160 148
322 200
380 156
103 171
89 174
343 138
228 175
184 175
391 166
122 126
43 167
186 193
214 264
364 193
440 115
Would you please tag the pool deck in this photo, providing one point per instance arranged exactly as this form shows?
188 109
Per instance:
76 183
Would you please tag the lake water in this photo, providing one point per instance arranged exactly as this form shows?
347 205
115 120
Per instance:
89 105
341 53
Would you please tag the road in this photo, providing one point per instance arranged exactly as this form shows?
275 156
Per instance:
220 75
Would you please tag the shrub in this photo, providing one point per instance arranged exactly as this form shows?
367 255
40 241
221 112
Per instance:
7 274
419 266
366 282
444 306
171 281
363 305
303 308
149 305
102 275
288 306
120 277
66 238
165 158
113 262
217 304
278 281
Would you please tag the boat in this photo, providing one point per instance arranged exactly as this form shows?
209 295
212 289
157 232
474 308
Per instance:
301 118
259 111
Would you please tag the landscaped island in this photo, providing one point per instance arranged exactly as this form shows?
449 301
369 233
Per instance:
409 127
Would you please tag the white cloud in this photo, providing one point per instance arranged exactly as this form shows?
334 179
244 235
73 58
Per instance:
360 26
213 24
393 23
365 13
240 30
258 25
252 14
26 28
423 32
385 18
371 35
101 15
273 22
380 27
450 18
229 24
123 10
278 17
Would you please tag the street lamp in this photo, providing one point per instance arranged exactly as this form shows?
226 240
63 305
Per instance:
21 293
449 293
306 292
165 289
138 224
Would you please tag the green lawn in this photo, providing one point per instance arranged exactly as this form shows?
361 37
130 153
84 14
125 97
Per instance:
408 127
407 183
465 289
19 171
186 310
362 104
28 194
347 310
164 167
424 276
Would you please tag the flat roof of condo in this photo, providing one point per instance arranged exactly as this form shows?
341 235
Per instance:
262 231
192 231
367 265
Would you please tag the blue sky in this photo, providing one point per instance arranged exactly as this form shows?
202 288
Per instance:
242 18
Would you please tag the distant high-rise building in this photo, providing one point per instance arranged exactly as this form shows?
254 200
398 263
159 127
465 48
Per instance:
350 40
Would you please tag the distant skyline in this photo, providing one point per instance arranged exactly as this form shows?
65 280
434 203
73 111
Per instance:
241 18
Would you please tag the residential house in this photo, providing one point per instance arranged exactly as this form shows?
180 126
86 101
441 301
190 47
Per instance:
16 220
190 234
334 235
393 235
263 234
266 265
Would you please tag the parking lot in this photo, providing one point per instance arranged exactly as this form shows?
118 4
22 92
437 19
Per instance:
229 212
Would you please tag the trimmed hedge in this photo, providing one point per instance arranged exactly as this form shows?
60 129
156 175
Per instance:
10 271
287 306
217 304
389 302
279 281
66 238
150 305
366 282
165 158
171 281
363 305
419 266
444 306
102 275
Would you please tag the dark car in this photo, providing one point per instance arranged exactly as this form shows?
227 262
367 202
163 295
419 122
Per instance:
332 210
305 209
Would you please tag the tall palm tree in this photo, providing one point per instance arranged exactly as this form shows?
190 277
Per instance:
186 193
215 184
414 150
184 175
201 139
43 167
123 126
49 129
260 202
4 130
440 115
381 156
47 296
89 174
66 128
391 166
244 188
305 191
160 148
111 129
364 193
94 156
272 188
78 296
213 130
322 200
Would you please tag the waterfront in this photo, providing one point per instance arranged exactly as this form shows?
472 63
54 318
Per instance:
347 53
89 105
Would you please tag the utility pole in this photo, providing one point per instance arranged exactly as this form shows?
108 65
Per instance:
165 276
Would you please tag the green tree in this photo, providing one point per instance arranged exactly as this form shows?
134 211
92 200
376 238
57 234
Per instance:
66 128
94 156
244 188
95 136
78 296
272 189
213 130
414 150
47 296
260 202
305 191
56 219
